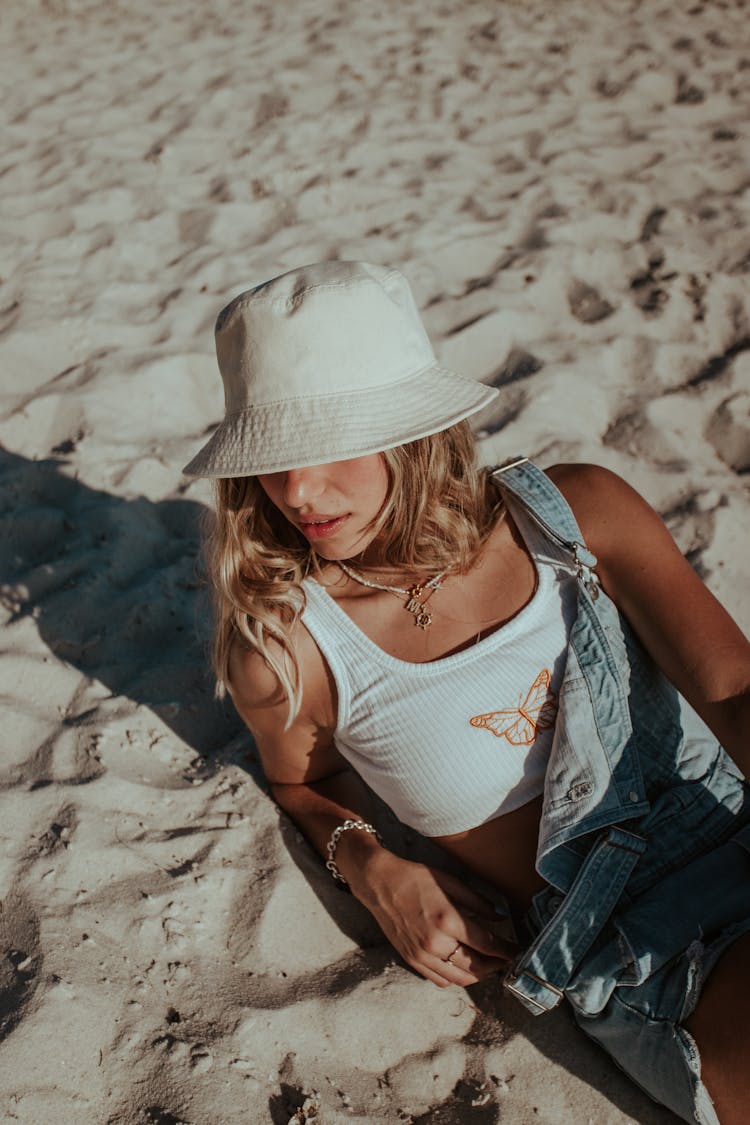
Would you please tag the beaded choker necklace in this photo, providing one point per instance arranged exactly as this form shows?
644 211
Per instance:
416 602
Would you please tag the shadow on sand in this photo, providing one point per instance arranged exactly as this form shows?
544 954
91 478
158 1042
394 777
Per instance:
115 588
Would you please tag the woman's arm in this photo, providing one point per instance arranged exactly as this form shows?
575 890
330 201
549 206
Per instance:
423 912
679 621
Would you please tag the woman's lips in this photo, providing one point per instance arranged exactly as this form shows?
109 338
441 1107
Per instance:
321 529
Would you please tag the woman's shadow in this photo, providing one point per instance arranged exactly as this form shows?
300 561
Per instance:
115 588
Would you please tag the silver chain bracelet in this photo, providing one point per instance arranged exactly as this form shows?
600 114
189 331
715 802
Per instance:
334 841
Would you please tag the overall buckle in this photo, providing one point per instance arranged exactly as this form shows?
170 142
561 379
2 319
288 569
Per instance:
534 993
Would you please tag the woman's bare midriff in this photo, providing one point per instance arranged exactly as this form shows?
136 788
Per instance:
503 852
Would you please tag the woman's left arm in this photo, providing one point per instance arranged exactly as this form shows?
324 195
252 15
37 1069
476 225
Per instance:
679 621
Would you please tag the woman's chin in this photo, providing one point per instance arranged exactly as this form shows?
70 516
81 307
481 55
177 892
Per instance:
354 553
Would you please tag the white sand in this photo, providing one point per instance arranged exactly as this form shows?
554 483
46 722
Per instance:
567 187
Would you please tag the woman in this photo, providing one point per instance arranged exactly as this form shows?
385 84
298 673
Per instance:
494 654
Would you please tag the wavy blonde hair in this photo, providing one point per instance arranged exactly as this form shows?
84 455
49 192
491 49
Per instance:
438 513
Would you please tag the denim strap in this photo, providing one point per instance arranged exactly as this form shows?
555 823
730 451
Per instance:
545 504
539 977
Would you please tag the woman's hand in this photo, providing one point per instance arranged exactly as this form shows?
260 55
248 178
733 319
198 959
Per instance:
440 927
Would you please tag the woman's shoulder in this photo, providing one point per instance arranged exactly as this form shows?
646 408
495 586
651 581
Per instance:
292 751
256 689
582 482
628 537
252 680
601 501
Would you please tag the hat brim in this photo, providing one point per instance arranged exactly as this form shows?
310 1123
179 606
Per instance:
296 433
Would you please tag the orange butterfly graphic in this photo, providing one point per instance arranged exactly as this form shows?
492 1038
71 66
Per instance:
520 724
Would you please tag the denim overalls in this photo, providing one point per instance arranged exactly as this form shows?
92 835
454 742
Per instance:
644 842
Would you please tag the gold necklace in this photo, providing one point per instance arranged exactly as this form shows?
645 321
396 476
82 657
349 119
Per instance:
416 603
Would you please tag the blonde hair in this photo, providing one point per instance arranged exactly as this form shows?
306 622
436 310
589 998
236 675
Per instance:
438 514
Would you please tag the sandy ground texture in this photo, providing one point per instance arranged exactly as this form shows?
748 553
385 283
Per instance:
566 185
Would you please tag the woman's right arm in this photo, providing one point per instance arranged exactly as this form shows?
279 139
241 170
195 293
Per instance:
422 911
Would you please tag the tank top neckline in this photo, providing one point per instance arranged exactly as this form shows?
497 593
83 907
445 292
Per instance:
502 632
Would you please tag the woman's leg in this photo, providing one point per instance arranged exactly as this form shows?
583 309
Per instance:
720 1026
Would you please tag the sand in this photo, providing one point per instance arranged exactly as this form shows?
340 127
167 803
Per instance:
566 185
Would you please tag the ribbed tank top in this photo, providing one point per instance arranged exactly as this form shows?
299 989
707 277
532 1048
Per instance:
455 742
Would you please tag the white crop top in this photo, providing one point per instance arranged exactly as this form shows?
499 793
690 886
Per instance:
455 742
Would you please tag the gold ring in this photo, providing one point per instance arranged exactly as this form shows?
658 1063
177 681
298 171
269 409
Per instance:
449 959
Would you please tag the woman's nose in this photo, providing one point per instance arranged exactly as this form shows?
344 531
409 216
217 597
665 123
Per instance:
302 486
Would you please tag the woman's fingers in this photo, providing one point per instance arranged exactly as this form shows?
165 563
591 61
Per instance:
444 973
464 947
483 927
460 927
447 960
442 929
463 896
480 936
464 968
468 958
452 953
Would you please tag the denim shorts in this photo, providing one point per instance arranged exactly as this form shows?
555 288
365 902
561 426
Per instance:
642 976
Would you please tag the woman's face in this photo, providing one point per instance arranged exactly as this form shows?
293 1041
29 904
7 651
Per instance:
334 505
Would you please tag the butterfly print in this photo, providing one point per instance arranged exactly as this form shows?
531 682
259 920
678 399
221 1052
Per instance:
521 724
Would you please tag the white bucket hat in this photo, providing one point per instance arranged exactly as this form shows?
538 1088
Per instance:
325 363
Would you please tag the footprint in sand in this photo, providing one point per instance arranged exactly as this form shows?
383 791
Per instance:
649 286
729 431
155 1115
70 758
57 837
634 434
587 304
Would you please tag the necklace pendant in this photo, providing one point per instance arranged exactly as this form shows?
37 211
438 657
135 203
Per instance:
422 618
414 605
